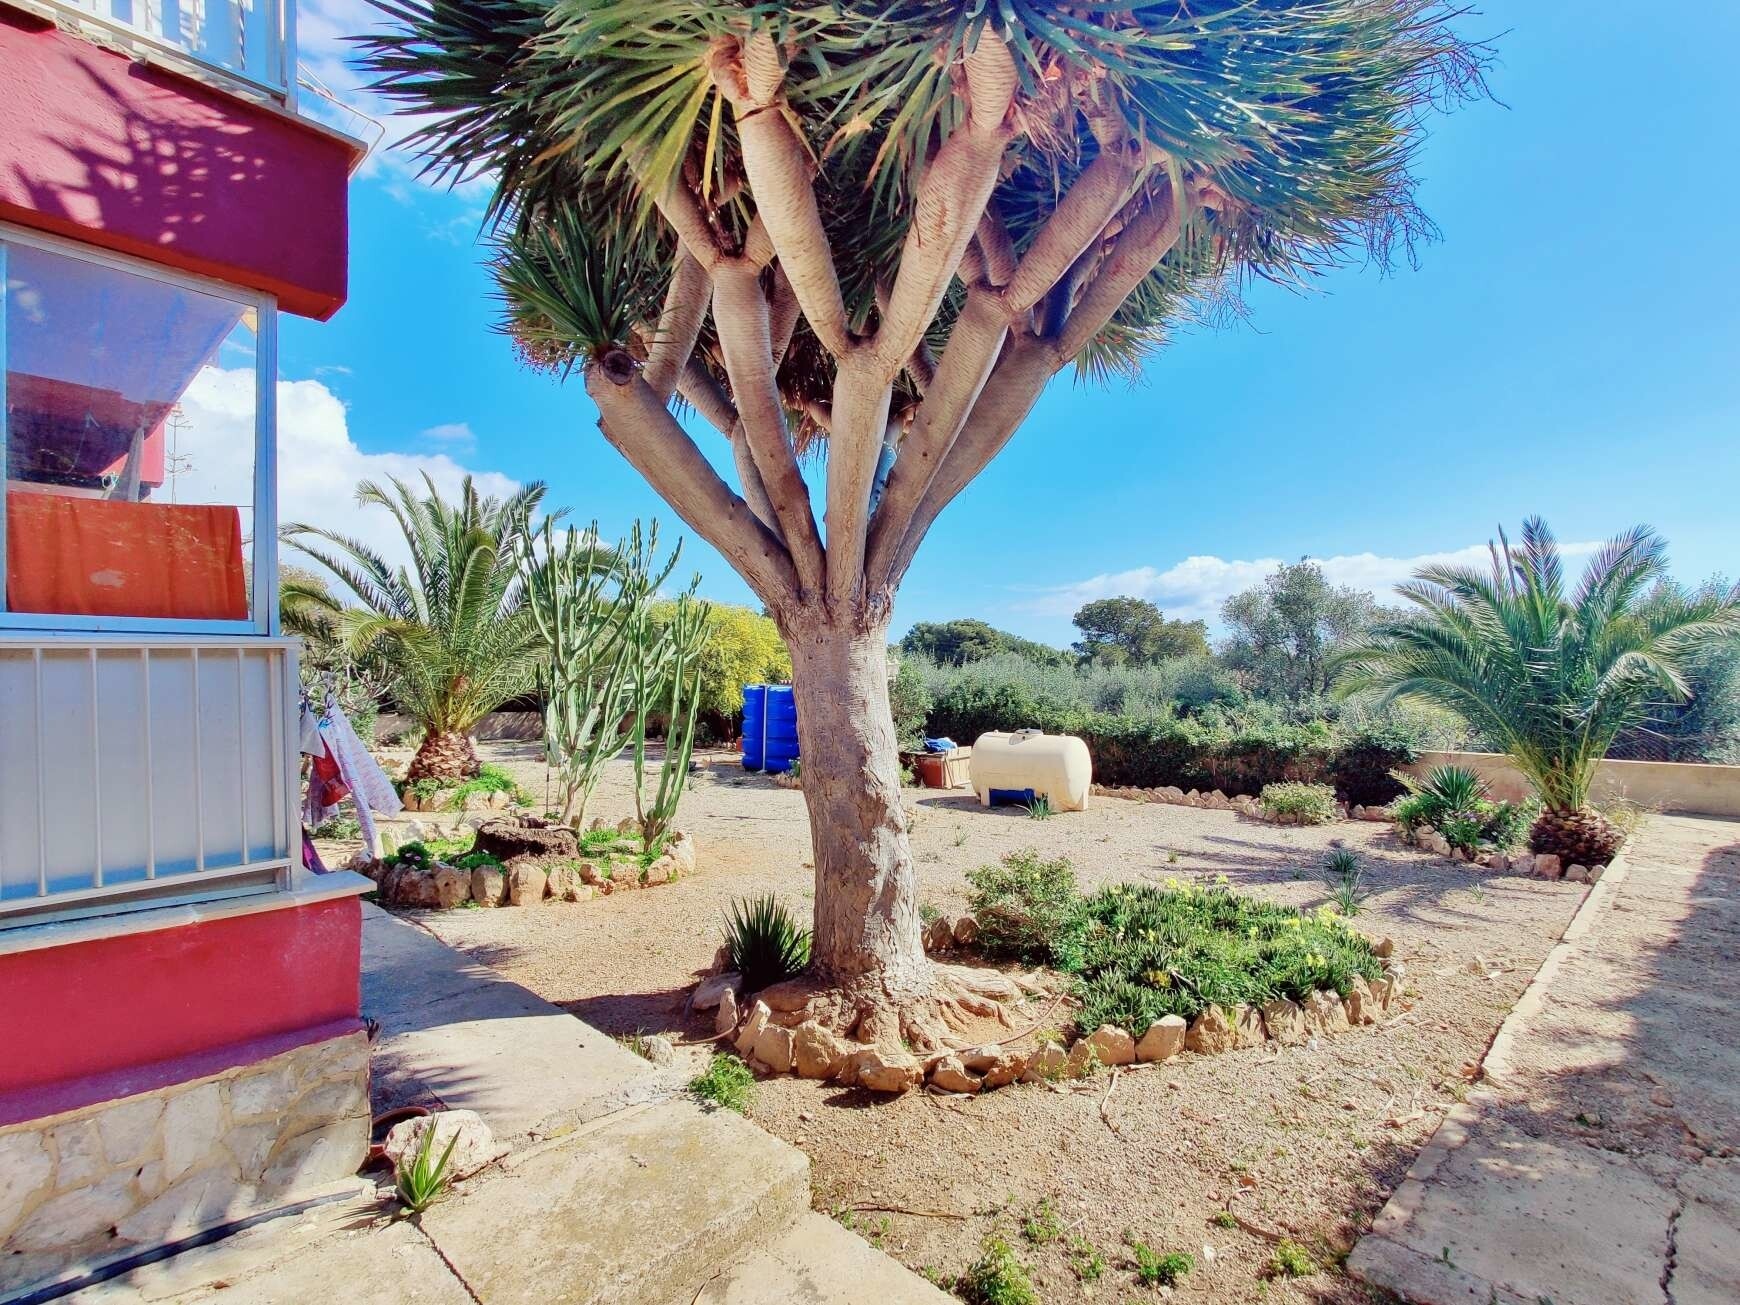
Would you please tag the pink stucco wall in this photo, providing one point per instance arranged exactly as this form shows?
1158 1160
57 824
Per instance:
101 148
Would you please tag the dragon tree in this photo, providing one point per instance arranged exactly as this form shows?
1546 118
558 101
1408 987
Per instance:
873 234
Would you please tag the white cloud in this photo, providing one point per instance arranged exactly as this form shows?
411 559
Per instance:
319 464
1195 588
451 432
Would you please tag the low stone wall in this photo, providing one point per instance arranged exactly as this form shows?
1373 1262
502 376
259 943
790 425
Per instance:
1659 785
148 1169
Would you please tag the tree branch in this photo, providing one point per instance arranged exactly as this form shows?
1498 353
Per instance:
740 313
1090 203
707 397
673 342
645 432
950 203
1138 248
779 171
858 420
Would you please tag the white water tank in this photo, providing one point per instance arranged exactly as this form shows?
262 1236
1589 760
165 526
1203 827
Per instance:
1055 767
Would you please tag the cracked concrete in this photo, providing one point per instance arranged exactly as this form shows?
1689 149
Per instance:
1598 1163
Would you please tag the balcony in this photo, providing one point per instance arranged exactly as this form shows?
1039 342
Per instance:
253 40
144 771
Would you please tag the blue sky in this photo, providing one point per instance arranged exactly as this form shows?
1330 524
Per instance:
1570 348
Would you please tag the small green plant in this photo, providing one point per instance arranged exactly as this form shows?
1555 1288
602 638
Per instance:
961 837
1085 1260
478 861
997 1278
1302 804
1021 904
337 827
421 1183
765 942
726 1082
1042 1226
1154 1269
1291 1260
1039 809
1225 1219
928 914
1343 877
796 770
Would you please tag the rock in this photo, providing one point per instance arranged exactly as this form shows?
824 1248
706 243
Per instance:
363 864
773 1048
421 831
1479 966
966 931
1047 1065
1382 993
590 874
1163 1040
1578 874
1170 793
1217 801
498 801
659 1049
564 883
952 1076
816 1052
1498 861
710 991
1084 1059
1595 873
1285 1021
1359 1002
488 886
416 888
752 1027
1383 948
526 883
1523 863
939 934
1111 1045
475 1148
1324 1012
995 1066
880 1071
725 1018
1548 866
628 825
506 837
595 824
659 872
1247 1027
1210 1033
451 887
681 849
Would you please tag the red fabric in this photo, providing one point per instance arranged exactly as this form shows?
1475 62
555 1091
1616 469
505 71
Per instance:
328 782
101 557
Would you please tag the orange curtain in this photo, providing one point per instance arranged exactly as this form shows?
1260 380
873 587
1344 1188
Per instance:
101 557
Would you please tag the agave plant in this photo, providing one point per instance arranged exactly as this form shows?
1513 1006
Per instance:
1552 675
452 627
765 943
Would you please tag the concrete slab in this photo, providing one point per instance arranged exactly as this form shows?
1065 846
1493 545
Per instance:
634 1210
1706 1264
390 1263
820 1263
456 1034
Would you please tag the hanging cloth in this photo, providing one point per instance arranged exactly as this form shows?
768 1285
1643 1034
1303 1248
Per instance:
367 782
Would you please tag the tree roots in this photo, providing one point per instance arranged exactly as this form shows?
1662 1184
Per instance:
936 1010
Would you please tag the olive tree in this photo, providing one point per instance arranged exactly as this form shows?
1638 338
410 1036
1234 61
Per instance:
874 232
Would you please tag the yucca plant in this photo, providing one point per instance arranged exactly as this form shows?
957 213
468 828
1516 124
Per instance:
1551 674
452 627
871 234
765 943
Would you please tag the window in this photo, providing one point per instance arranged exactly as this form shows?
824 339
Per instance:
135 456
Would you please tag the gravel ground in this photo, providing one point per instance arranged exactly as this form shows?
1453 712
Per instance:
1303 1143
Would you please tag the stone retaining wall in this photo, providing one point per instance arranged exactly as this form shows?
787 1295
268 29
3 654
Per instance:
1659 785
147 1169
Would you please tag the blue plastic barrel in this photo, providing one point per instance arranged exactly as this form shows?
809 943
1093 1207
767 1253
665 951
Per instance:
770 737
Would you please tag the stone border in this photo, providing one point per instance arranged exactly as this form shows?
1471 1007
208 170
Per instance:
1377 1252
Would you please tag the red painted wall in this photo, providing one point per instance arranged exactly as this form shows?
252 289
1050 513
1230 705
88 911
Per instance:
103 149
90 1009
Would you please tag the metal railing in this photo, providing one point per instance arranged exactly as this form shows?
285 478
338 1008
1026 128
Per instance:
146 769
250 39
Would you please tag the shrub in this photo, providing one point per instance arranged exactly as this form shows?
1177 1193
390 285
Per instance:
997 1278
1307 804
909 701
1507 823
1021 904
726 1082
1156 1270
478 860
1140 952
1363 769
765 942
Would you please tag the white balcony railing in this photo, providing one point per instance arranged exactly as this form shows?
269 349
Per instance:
250 39
132 772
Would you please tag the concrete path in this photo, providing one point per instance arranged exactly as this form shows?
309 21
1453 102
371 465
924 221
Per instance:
1599 1163
617 1188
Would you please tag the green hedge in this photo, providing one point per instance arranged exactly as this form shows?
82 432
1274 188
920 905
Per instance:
1233 751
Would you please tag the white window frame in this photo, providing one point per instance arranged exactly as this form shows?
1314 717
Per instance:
264 560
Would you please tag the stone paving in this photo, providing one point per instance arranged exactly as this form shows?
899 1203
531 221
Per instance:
1599 1163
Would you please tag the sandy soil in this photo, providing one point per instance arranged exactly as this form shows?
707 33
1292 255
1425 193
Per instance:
1304 1143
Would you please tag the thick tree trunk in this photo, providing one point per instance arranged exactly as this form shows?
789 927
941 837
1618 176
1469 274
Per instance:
445 754
869 977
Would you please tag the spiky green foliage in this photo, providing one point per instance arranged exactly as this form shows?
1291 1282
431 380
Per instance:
452 626
422 1180
765 942
1305 115
1551 674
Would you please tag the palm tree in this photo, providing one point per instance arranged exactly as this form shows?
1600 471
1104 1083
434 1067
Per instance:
1554 679
453 627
